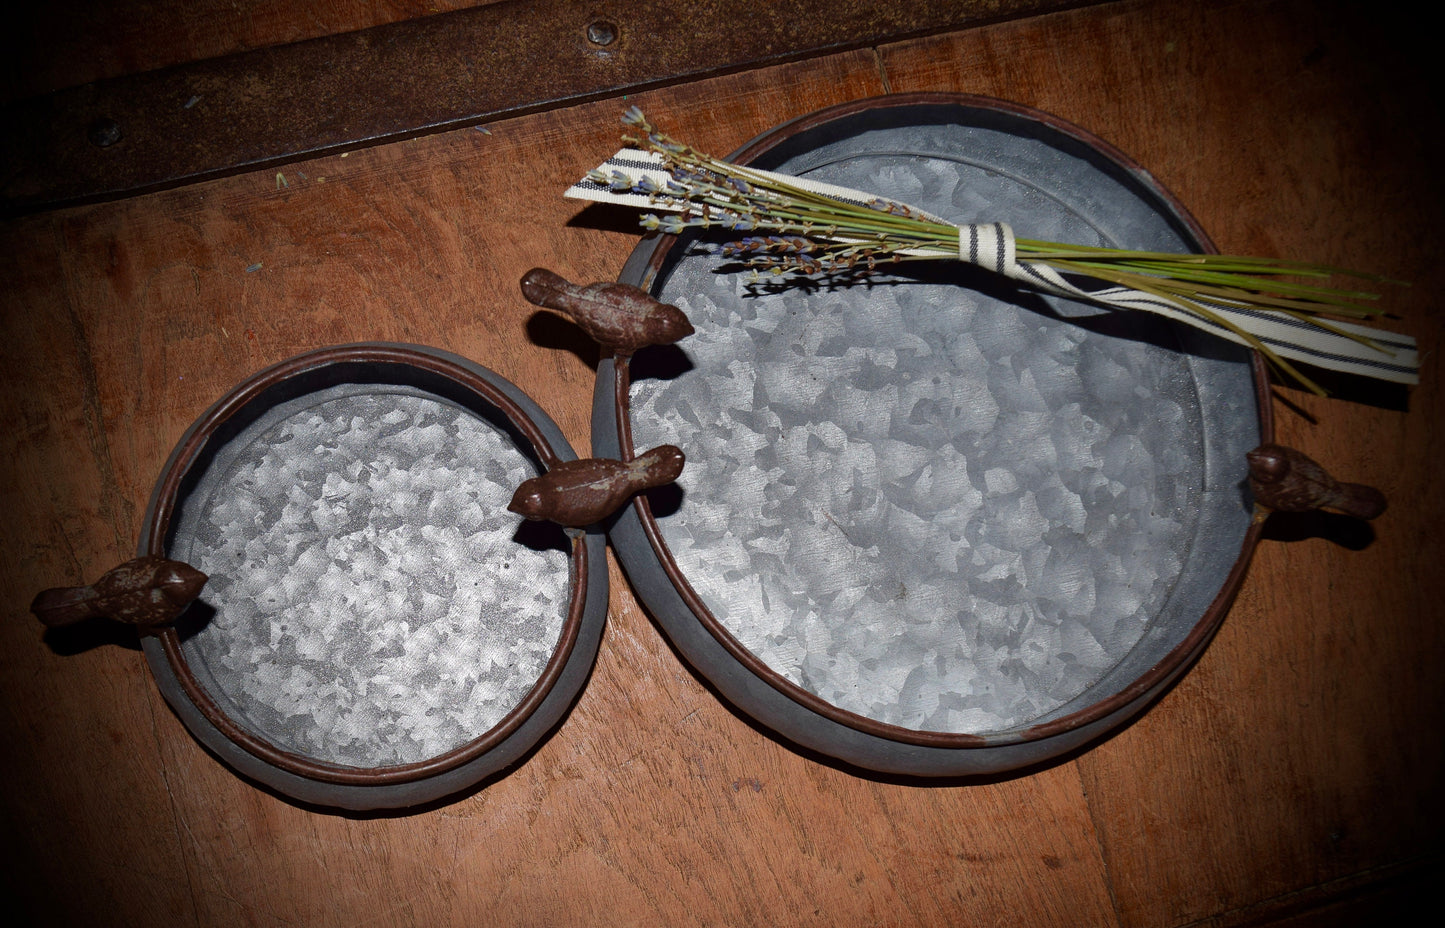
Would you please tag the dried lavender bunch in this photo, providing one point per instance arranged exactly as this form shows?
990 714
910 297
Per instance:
790 229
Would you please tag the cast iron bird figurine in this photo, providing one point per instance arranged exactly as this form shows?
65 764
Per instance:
618 316
148 591
1284 479
575 494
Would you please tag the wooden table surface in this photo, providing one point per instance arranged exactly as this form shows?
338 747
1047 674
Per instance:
1292 778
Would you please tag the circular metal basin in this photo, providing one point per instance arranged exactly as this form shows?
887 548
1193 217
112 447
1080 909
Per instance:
377 630
933 524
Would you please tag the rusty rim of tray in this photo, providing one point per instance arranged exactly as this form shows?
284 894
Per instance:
1179 656
197 442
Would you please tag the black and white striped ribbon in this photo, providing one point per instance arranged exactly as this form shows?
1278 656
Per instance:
1385 356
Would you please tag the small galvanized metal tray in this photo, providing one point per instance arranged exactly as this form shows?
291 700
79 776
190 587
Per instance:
933 524
376 628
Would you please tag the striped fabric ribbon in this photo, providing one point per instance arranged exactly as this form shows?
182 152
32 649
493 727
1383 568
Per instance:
1387 356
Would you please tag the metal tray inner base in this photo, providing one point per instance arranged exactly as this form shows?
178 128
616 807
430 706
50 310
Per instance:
930 499
372 602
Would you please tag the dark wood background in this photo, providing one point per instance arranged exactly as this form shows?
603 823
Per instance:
1291 779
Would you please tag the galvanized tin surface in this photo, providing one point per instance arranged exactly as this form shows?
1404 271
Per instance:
378 630
931 523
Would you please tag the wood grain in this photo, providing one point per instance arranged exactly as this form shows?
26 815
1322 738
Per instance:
1290 779
50 46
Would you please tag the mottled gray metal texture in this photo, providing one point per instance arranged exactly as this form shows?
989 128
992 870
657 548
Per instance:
933 500
371 603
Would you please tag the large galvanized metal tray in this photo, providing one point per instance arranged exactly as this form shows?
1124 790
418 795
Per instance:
934 524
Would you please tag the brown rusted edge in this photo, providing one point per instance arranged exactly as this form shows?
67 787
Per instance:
297 764
1179 657
272 106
